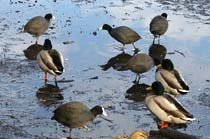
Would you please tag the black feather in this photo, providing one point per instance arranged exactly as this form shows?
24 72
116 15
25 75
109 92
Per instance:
57 60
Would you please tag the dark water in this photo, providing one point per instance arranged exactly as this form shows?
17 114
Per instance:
26 109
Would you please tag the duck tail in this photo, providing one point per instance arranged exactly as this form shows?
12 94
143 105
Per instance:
189 119
181 91
53 118
58 72
184 85
185 88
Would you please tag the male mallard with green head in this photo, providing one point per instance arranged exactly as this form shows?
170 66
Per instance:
50 60
171 79
166 107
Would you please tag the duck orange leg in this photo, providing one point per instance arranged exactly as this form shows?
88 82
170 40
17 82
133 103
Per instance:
45 77
163 124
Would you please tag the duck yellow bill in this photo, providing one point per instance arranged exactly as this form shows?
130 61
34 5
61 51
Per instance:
149 88
159 66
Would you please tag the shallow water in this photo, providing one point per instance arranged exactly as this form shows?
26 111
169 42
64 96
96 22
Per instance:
27 112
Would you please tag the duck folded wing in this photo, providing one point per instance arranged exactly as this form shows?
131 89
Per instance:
164 104
57 59
170 78
181 80
178 105
155 108
170 111
47 60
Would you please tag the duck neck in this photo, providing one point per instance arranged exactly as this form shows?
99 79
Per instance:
94 113
47 45
107 27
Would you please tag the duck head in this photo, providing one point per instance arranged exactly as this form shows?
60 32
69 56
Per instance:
157 88
47 45
167 64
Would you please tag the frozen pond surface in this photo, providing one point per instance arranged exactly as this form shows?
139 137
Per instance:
26 112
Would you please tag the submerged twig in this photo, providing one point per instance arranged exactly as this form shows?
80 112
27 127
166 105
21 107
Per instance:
176 51
64 81
180 53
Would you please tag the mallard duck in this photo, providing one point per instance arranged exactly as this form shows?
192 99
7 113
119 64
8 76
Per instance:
76 115
158 26
171 78
50 60
140 63
122 34
166 107
38 25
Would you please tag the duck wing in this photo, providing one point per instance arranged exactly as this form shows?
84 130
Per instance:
169 78
181 80
45 62
178 105
58 61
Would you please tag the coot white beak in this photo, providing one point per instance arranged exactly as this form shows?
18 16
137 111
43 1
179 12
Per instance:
53 17
103 112
100 28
